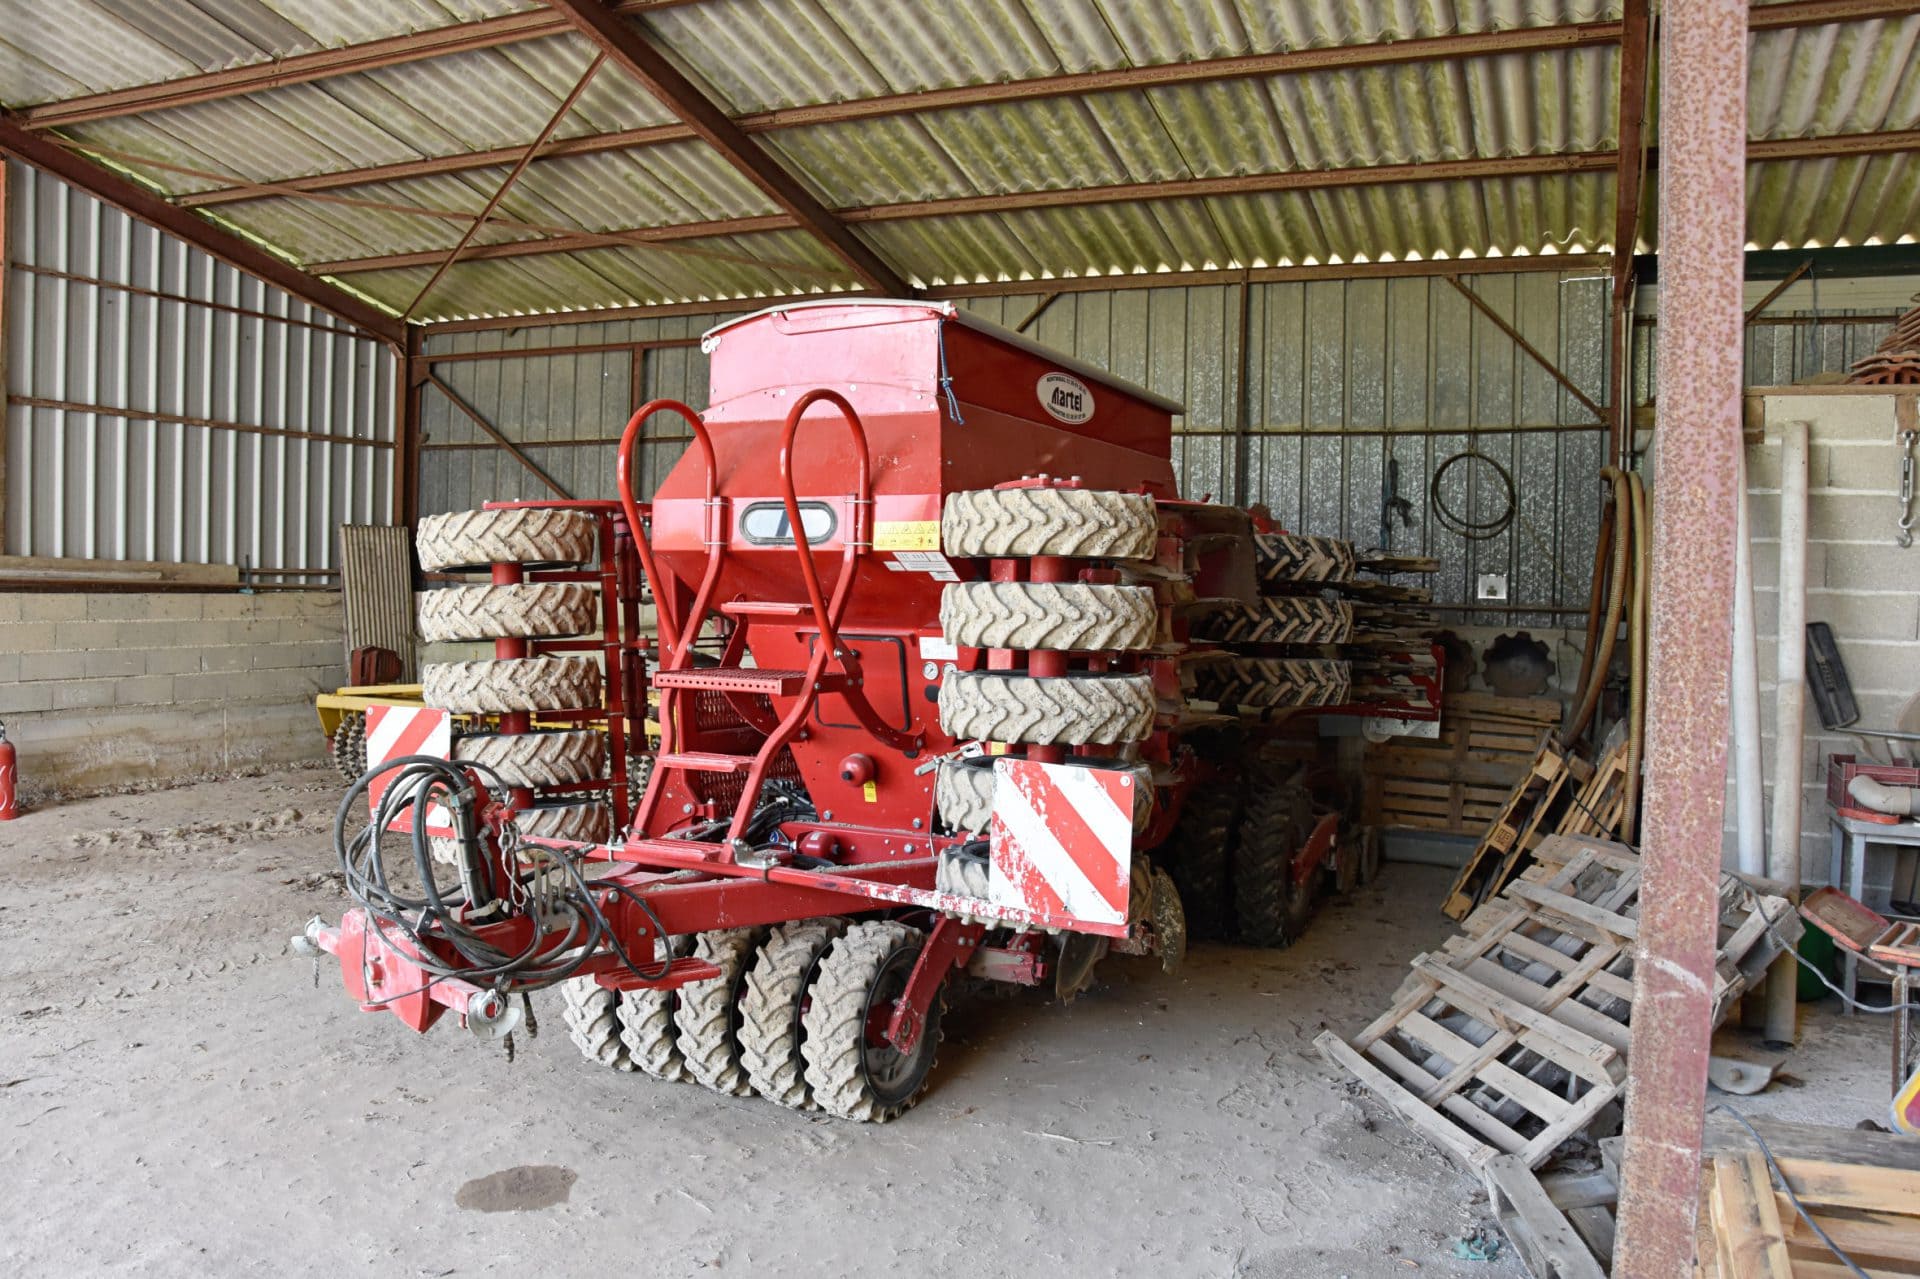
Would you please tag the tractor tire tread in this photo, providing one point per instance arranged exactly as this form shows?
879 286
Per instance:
528 610
1049 521
592 1016
538 758
1073 710
504 686
465 540
647 1027
1055 616
770 1031
836 1020
705 1018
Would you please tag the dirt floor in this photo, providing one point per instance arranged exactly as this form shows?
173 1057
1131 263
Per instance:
176 1098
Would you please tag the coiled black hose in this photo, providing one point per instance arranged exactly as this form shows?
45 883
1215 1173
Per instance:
1472 530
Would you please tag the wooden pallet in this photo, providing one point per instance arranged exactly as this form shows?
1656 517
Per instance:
1514 831
1465 1065
1561 1224
1457 782
1863 1188
1599 806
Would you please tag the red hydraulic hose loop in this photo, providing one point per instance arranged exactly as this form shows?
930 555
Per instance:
825 614
662 593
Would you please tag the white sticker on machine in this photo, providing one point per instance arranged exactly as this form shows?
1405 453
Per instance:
937 648
930 562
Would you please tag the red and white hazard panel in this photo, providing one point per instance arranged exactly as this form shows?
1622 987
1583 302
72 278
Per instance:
1062 841
394 732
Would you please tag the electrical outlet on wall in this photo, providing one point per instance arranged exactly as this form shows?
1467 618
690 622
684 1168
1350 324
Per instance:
1490 586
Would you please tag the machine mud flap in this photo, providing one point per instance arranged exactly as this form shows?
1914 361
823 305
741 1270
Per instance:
1061 843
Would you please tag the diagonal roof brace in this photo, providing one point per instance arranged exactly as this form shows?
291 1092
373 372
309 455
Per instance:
639 58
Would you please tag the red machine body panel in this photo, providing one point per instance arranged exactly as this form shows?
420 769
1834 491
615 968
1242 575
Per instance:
946 400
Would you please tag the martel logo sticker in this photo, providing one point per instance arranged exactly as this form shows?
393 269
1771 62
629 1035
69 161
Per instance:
1066 397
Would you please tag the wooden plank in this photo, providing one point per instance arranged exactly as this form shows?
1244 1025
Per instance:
1832 1167
1535 1224
1876 1234
1746 1226
1450 1139
1572 908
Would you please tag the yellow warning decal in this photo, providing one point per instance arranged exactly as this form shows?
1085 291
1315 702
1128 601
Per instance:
872 792
906 535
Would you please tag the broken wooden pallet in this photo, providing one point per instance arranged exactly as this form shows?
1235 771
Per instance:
1514 830
1458 781
1478 1073
1561 1224
1598 807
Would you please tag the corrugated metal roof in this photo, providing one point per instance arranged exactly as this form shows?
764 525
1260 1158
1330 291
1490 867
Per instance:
758 55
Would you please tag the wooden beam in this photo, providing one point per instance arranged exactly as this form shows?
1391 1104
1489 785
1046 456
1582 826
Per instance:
487 428
321 64
244 255
1755 311
1636 44
1500 322
639 58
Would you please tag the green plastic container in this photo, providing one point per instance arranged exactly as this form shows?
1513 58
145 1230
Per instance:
1818 950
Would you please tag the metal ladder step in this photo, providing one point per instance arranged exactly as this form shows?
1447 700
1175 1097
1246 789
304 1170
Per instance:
705 762
744 679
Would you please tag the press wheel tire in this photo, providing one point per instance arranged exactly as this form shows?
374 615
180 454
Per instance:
962 871
1059 616
1198 854
581 821
708 1018
538 758
526 611
465 540
1049 521
851 1069
512 684
963 791
647 1029
1270 908
592 1015
350 746
1080 709
772 1007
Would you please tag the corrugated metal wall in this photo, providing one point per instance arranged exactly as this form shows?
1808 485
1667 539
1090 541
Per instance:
1344 378
164 406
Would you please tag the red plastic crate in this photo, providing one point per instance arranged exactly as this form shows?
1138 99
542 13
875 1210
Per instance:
1842 769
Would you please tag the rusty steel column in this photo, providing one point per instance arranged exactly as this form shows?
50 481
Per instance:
1703 122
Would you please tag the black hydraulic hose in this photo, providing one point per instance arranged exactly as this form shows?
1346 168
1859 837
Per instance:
1472 530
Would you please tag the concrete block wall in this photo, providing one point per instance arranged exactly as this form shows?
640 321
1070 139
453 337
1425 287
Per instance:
100 690
1858 581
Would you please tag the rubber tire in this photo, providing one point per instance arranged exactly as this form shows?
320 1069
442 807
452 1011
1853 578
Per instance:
647 1028
1055 616
349 746
513 684
1283 559
1275 683
961 872
1269 908
1198 854
582 821
709 1014
471 540
538 758
531 610
592 1016
771 1009
1049 521
963 791
835 1024
1284 619
1074 710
